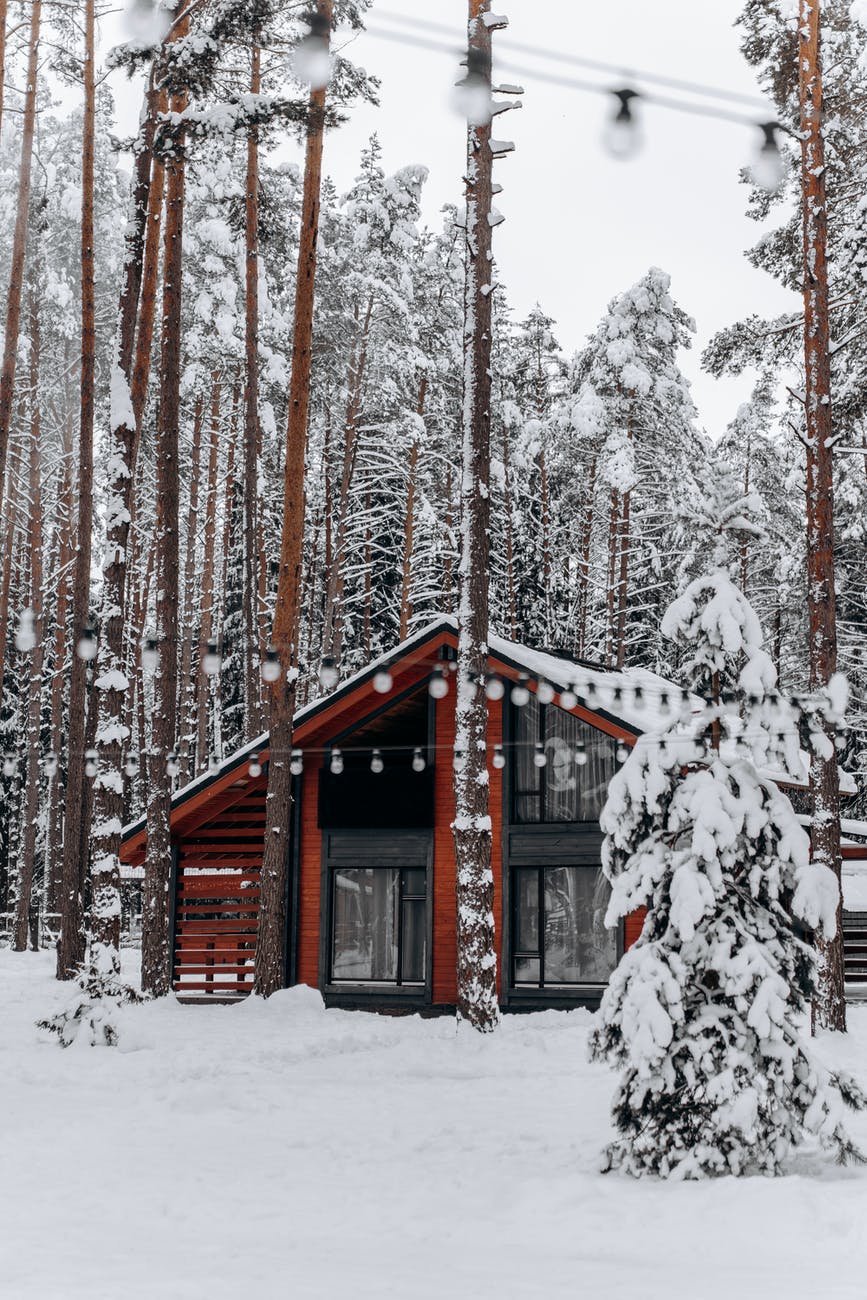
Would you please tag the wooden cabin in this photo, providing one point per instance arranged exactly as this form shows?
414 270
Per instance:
371 905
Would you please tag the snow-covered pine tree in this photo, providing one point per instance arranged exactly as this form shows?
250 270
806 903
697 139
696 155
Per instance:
707 1014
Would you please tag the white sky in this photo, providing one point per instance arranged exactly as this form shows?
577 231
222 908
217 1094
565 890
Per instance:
580 226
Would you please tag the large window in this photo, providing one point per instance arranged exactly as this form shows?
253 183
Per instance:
559 935
379 925
563 790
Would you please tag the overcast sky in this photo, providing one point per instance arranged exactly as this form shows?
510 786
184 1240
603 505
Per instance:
580 225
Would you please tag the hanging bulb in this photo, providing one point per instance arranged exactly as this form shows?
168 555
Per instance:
499 757
336 762
50 765
438 686
622 752
91 763
376 763
173 765
329 674
296 762
418 761
768 168
664 702
472 94
568 698
383 681
638 697
520 693
86 646
131 764
540 758
25 635
254 767
494 688
590 691
617 695
211 660
10 765
622 135
213 764
149 655
311 62
271 665
458 760
544 692
580 753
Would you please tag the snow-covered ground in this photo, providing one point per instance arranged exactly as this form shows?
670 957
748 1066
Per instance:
279 1150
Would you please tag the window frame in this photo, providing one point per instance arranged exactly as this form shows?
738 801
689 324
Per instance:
540 986
540 795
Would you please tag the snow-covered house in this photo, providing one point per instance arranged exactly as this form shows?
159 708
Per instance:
371 907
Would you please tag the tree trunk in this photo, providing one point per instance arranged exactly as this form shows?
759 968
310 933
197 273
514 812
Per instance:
71 948
156 904
510 541
545 505
250 532
584 563
206 627
406 570
830 1009
187 682
476 957
270 946
19 243
148 298
611 623
32 730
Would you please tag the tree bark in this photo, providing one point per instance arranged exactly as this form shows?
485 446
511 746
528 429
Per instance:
270 947
187 682
476 956
19 243
830 1008
409 521
206 632
71 948
584 562
156 904
250 532
611 627
508 524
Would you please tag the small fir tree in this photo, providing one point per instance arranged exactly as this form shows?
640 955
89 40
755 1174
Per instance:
706 1014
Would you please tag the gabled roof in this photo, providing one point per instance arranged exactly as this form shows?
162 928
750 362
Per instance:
614 706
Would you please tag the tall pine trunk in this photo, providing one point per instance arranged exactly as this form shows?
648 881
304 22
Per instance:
71 948
270 946
830 1010
250 533
206 626
409 521
476 957
187 680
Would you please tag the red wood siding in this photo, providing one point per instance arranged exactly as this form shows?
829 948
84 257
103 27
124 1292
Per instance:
632 926
310 877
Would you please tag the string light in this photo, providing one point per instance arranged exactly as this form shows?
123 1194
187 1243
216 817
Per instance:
376 763
499 757
544 691
329 674
336 762
311 61
622 752
419 763
10 765
270 665
211 660
91 762
131 763
580 753
638 697
173 765
472 95
149 655
50 764
622 135
494 688
213 764
521 693
540 758
25 635
768 169
255 765
458 760
383 681
87 645
568 698
438 685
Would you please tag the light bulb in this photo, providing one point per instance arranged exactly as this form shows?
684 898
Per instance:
376 763
271 665
91 763
458 760
383 681
311 61
86 646
296 762
494 688
329 674
418 761
540 758
622 134
173 765
51 764
213 764
768 168
544 692
568 698
499 757
580 753
25 635
149 655
254 767
438 687
520 693
10 765
131 765
638 697
622 752
211 660
472 94
336 762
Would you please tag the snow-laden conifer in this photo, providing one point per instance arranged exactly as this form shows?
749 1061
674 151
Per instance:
707 1014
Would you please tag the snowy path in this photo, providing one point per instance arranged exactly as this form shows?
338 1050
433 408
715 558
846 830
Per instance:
274 1150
